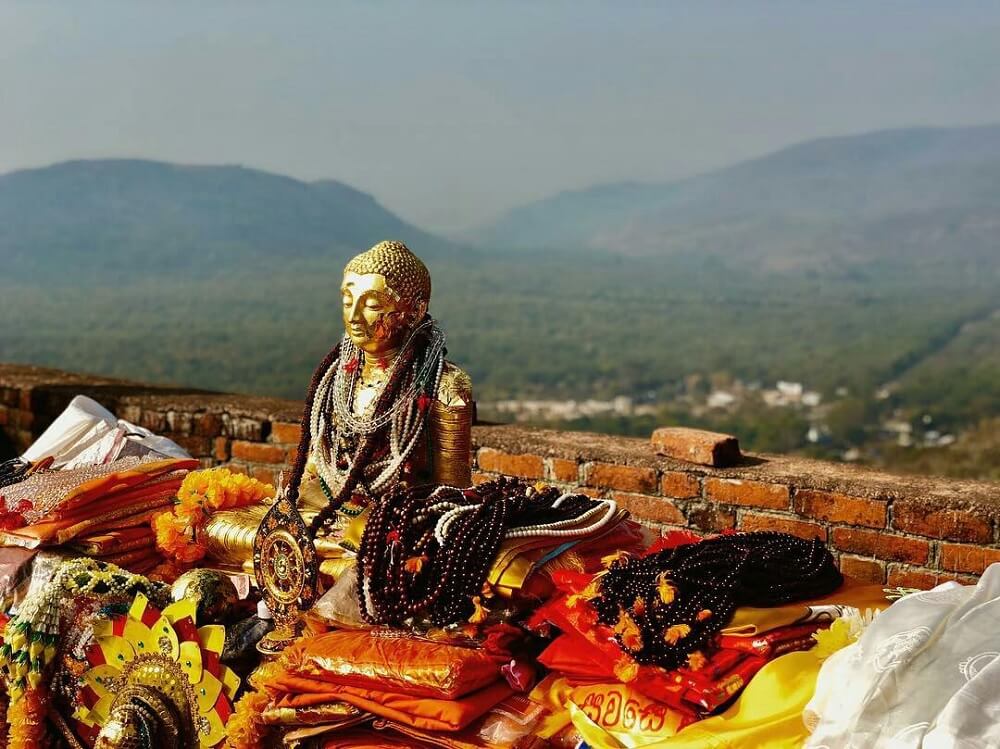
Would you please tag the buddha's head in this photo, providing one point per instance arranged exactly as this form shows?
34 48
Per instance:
385 293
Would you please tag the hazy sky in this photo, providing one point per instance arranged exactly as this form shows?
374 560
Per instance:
452 112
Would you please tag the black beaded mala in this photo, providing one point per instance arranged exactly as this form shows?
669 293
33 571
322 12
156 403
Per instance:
406 573
669 604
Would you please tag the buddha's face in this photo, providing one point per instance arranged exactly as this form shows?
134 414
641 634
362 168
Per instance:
375 318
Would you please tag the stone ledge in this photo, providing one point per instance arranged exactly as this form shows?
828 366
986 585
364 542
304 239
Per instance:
803 473
880 526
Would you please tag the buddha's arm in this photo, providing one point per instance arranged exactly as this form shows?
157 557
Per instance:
451 429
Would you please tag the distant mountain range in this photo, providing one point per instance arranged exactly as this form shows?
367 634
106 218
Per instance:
113 216
916 195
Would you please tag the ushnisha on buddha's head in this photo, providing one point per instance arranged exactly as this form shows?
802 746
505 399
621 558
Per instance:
385 294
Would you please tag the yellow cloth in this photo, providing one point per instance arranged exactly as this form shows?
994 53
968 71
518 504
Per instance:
768 714
749 621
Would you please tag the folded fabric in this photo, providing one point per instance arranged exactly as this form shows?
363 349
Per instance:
389 661
748 621
925 673
420 712
114 541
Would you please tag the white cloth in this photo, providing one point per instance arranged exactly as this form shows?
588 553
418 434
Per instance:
86 434
925 673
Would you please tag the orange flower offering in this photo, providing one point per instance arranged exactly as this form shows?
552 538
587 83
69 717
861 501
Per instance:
178 533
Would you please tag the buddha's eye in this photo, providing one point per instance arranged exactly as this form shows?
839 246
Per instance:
373 305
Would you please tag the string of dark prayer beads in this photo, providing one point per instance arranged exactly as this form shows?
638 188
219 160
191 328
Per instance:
669 604
442 586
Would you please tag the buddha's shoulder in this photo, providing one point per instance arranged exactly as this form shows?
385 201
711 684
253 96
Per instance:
455 388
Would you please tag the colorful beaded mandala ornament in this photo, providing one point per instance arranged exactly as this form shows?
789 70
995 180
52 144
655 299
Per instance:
155 667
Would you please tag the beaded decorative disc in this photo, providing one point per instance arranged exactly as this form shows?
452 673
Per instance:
285 564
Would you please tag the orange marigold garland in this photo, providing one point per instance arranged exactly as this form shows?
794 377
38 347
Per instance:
179 532
26 718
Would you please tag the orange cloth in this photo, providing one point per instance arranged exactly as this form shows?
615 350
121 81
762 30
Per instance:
420 712
386 661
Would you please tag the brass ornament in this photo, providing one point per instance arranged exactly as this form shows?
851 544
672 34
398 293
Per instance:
285 565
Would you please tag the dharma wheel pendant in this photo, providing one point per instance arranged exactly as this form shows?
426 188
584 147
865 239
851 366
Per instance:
285 565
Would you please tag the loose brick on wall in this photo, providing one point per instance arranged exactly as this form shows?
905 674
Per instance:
758 521
622 478
834 507
748 493
890 547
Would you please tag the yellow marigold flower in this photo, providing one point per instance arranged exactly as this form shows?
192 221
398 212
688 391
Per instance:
704 614
639 606
696 661
628 631
413 565
676 633
667 591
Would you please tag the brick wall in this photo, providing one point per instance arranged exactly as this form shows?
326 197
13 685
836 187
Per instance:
901 530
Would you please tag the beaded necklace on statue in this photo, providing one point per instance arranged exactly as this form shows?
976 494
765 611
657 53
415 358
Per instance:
336 427
671 603
426 552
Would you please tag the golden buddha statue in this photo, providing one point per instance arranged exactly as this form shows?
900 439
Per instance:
383 407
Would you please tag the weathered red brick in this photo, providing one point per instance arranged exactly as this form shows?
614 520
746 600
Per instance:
523 466
4 416
697 446
710 518
267 475
566 471
238 468
650 509
208 424
835 507
198 447
257 452
220 449
967 558
758 521
24 400
887 546
680 485
749 493
902 576
865 570
951 523
623 478
155 421
481 478
286 432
